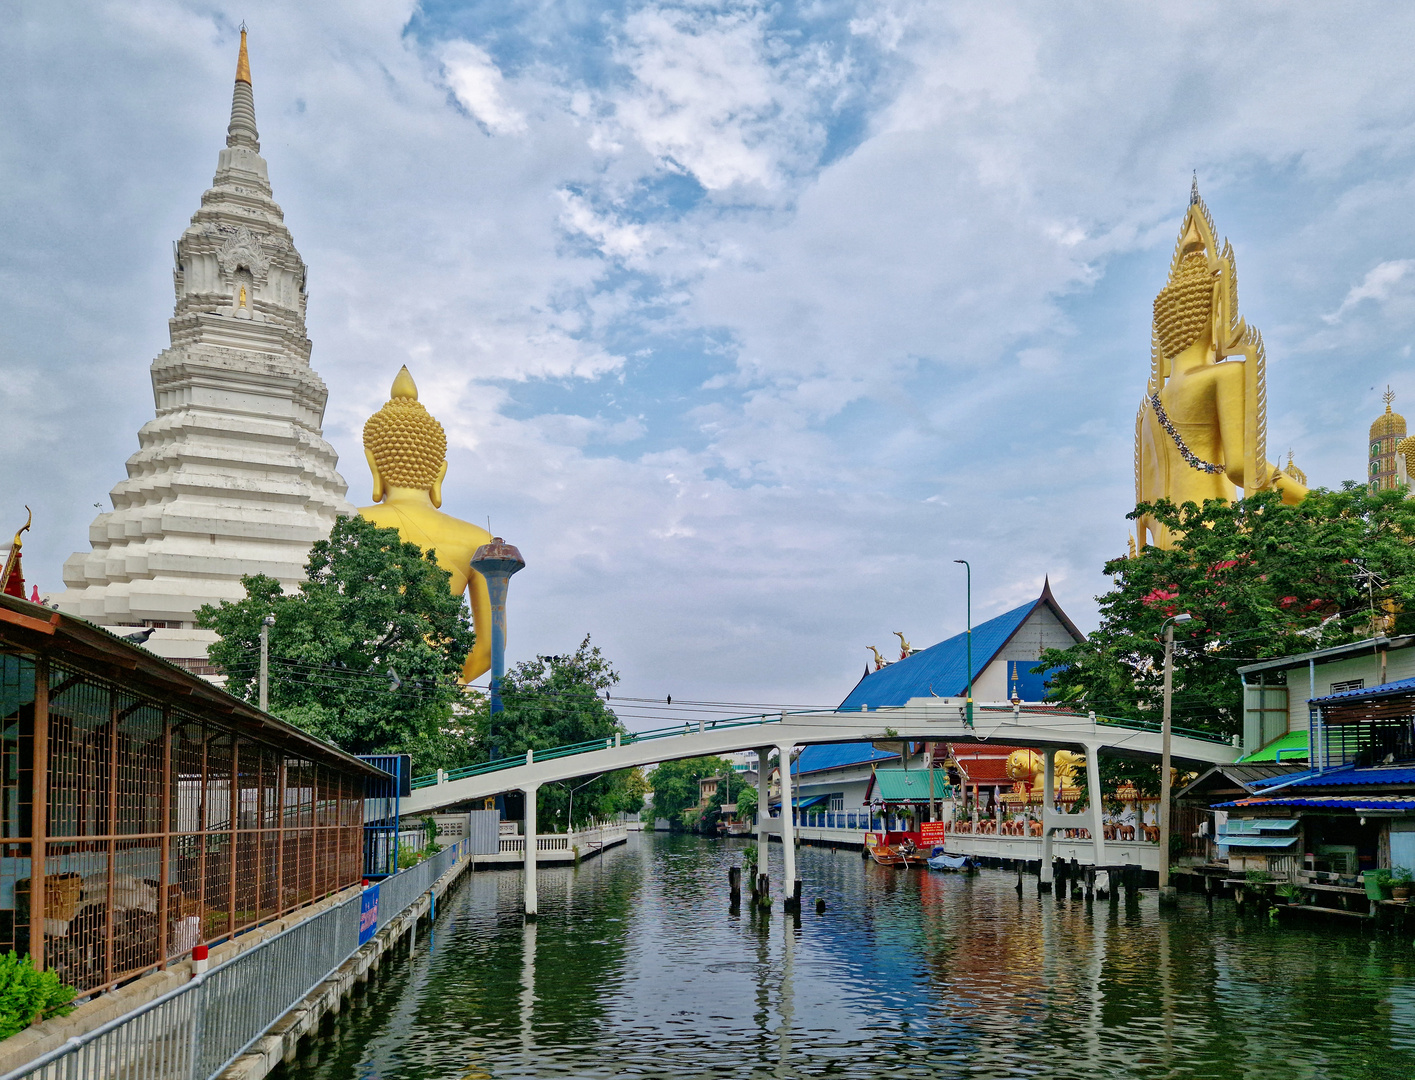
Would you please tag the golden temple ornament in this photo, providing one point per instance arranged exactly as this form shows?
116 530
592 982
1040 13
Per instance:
1201 432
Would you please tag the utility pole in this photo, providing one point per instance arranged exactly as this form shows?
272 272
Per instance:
969 568
1167 893
265 625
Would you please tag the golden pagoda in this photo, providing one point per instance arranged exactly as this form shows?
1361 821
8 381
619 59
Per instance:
1385 437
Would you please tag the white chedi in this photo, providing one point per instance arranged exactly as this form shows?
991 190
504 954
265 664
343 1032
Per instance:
233 475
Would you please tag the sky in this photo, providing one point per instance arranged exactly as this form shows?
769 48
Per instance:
745 320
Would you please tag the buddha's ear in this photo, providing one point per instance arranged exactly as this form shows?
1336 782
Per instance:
377 476
436 491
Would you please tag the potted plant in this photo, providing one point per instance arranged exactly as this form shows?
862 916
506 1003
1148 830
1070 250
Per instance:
1287 893
1378 884
1400 883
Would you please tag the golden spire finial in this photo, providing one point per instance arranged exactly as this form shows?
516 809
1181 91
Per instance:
243 61
1388 397
403 385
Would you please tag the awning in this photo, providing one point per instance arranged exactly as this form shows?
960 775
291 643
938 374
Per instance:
805 802
1256 841
908 785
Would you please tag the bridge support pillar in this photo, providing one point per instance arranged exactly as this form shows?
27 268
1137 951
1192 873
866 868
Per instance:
1048 804
763 809
1093 786
532 845
788 825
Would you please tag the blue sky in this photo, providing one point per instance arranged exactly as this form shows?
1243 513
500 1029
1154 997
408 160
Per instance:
744 320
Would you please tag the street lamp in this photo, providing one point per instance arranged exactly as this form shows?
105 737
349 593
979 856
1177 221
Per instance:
970 639
1166 891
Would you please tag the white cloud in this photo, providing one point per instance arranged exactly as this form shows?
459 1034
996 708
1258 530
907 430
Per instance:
930 347
716 94
1378 285
478 86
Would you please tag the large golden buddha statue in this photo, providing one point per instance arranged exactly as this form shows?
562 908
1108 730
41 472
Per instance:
1202 430
407 454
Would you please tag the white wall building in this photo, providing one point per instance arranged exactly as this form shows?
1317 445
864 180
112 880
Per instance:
233 475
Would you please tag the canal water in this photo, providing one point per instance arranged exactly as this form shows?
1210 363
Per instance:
637 967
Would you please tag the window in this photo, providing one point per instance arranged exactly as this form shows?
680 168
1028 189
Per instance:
1350 684
837 802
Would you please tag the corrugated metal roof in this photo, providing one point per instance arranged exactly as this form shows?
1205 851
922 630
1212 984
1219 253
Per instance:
838 756
908 785
1383 775
1256 841
1286 745
1331 802
1370 693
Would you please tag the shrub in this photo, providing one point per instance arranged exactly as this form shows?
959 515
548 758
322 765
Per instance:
27 995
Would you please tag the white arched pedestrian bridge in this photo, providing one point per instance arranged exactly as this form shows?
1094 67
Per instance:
1043 727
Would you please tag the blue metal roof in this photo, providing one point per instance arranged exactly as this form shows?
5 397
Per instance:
939 671
1370 693
839 755
1350 774
1334 802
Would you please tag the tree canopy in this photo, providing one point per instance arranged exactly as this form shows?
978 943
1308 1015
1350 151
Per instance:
1261 580
555 701
675 789
366 654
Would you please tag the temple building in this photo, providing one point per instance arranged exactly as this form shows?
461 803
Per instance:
1005 649
233 475
1387 431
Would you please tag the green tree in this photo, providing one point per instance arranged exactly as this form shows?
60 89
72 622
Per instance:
366 654
675 790
1261 580
555 701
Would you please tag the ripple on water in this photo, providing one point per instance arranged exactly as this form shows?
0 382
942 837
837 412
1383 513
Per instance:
636 967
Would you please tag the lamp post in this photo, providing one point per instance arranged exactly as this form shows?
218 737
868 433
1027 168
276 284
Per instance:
1167 893
967 567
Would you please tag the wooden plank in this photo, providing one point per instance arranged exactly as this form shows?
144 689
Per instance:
1324 910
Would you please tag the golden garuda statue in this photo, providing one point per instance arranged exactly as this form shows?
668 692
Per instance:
1202 429
407 454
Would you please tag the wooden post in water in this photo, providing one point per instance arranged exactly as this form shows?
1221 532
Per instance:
763 891
734 884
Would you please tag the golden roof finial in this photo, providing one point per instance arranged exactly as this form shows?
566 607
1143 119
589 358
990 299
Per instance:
243 61
1388 397
403 385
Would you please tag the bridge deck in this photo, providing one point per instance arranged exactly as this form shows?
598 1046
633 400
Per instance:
922 719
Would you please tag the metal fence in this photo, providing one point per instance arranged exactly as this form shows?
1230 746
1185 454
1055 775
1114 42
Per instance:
198 1029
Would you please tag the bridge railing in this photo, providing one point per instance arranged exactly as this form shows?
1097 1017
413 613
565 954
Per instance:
689 727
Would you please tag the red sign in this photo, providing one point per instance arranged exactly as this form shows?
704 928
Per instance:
932 832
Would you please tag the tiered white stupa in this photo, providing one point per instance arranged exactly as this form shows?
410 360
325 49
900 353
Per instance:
233 476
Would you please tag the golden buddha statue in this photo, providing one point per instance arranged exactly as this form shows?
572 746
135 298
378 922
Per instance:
1201 432
407 454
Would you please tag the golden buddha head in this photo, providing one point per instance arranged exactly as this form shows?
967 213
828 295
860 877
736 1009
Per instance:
405 446
1184 308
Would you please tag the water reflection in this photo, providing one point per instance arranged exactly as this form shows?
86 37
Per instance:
637 967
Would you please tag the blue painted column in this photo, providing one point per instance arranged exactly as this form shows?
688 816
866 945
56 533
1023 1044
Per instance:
496 562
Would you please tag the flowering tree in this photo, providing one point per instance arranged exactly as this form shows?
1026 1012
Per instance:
1261 580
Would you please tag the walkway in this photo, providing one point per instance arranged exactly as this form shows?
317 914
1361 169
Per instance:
922 719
